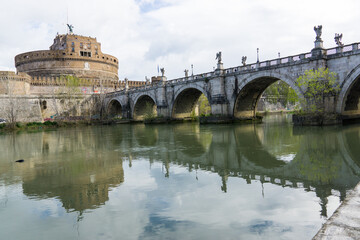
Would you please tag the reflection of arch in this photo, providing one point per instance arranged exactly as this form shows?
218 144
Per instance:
114 108
185 101
193 143
247 139
251 89
146 135
349 141
144 105
349 93
279 139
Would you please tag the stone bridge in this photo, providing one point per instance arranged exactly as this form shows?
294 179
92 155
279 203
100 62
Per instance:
234 92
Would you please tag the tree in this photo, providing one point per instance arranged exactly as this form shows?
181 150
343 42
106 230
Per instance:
204 106
13 105
150 111
318 86
281 91
69 95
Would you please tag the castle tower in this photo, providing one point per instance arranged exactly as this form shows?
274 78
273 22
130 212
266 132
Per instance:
70 54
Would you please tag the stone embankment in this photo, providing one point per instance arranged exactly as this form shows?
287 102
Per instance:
345 222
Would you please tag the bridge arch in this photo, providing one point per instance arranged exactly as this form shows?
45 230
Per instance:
250 90
144 106
349 96
114 108
185 99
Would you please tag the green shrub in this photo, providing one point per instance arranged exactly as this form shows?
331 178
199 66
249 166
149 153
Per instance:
33 124
50 123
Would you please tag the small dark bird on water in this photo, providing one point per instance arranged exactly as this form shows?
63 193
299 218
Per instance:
21 160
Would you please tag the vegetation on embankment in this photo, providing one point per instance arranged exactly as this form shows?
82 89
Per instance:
47 125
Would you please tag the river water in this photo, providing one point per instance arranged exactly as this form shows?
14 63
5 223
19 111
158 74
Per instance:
180 181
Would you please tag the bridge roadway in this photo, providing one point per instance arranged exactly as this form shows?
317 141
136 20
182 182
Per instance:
234 92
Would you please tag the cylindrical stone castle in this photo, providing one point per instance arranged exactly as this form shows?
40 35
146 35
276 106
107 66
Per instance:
70 54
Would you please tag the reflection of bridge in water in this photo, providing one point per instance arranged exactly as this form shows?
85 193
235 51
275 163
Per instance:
321 161
317 160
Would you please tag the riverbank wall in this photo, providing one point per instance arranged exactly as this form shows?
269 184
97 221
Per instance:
39 108
345 222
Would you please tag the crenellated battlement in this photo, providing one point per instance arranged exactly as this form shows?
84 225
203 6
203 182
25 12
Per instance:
12 76
62 81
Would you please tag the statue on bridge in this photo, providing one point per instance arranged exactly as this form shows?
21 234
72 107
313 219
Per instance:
243 60
318 31
71 27
186 73
162 70
338 38
218 57
147 80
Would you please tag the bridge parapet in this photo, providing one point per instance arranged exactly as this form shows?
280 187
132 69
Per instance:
273 63
340 51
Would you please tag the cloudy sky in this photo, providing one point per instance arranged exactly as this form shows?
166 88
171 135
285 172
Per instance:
174 34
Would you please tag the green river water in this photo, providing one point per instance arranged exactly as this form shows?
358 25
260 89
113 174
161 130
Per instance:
176 181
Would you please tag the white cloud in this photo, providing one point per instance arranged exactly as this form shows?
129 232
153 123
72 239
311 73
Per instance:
176 34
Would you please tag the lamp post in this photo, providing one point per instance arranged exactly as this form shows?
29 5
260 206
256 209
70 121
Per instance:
192 70
257 53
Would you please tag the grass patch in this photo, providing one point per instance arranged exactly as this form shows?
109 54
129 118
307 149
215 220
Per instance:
35 126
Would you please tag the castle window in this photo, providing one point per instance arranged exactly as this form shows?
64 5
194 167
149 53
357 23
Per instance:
81 45
85 54
73 49
88 46
43 105
73 44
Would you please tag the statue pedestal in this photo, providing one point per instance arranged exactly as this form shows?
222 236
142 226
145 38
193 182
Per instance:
318 51
220 69
318 43
163 80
